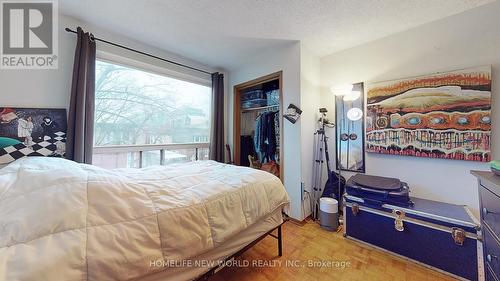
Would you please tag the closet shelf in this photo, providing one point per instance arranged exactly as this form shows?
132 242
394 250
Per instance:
260 108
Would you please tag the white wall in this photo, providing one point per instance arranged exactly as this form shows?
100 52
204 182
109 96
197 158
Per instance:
465 40
310 102
51 88
286 59
41 88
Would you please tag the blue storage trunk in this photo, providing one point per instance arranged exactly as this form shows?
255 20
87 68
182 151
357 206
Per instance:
438 235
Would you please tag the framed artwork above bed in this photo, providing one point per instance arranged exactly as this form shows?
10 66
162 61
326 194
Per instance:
32 132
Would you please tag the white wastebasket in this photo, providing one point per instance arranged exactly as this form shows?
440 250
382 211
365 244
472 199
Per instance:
329 213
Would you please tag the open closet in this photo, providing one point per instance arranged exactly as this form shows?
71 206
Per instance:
258 124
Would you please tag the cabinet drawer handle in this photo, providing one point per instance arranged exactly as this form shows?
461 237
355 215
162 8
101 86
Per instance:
490 257
486 212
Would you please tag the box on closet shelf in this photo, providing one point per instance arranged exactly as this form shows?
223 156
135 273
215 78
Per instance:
273 97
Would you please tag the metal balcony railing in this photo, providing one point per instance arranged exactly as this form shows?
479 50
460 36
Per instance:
178 152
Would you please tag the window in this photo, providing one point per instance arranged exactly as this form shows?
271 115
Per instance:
146 113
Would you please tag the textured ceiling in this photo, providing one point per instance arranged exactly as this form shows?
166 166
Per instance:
222 33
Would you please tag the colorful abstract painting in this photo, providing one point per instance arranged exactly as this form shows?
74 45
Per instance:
31 132
445 115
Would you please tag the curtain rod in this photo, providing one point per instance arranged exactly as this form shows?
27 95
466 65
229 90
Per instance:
143 53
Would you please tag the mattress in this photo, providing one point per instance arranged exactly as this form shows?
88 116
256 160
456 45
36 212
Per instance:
196 266
61 220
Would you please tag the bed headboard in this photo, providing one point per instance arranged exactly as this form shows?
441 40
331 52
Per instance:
32 132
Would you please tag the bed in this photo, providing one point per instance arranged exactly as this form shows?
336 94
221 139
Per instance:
60 220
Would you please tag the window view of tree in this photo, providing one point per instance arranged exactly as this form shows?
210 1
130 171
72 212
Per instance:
135 107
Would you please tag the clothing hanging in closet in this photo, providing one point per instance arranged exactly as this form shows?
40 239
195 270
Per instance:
266 137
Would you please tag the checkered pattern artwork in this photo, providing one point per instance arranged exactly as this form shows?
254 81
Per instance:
31 132
11 153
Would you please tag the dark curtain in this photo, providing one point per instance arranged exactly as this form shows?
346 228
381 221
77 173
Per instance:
81 110
217 135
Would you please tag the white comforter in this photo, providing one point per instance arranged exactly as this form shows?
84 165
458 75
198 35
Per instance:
60 220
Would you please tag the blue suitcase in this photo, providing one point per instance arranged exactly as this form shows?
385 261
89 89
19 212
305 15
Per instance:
435 234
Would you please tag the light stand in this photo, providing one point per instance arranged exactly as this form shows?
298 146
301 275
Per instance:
339 159
321 148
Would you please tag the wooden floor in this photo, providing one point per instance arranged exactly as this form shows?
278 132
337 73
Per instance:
308 242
